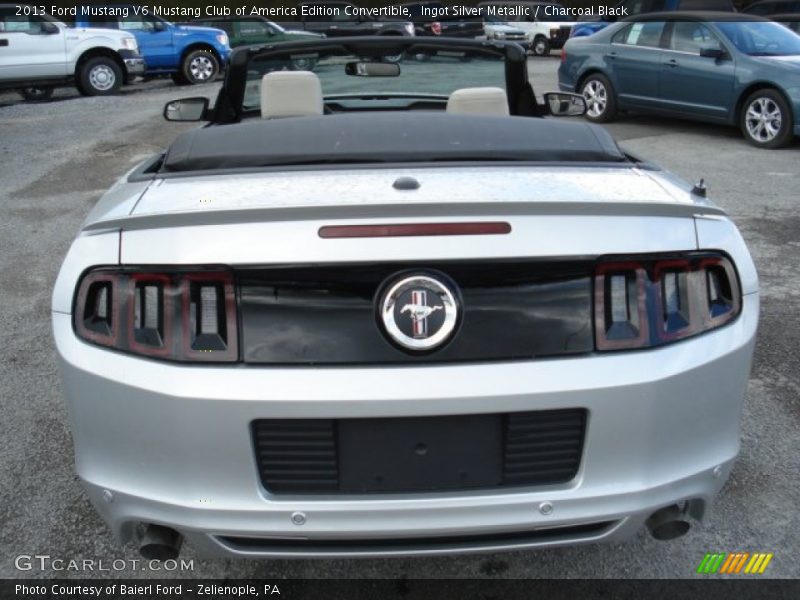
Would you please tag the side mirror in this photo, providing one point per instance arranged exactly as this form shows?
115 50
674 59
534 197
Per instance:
187 109
564 104
49 28
716 53
159 26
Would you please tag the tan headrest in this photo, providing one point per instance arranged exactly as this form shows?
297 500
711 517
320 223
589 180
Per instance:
479 101
290 94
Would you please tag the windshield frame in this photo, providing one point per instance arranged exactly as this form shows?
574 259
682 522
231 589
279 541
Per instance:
522 100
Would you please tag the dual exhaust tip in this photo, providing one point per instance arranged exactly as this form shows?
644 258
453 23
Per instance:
162 543
668 523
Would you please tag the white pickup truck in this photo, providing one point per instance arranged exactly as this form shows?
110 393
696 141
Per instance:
39 53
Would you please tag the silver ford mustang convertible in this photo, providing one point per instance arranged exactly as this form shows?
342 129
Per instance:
397 308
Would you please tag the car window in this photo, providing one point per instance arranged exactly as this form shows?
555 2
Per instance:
136 23
20 24
254 28
761 38
647 35
440 75
690 37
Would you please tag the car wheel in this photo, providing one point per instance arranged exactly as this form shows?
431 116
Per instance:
36 94
601 103
540 46
200 66
100 76
303 64
766 120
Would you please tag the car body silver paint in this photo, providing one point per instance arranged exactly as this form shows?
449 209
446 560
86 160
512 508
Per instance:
172 442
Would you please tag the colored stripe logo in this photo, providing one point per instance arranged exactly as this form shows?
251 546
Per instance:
734 563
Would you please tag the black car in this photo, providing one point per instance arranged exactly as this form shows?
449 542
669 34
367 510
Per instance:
446 21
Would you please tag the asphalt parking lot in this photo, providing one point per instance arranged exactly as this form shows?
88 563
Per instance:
57 158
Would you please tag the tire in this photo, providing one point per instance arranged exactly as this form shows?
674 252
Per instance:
100 76
766 119
36 94
200 66
540 46
601 100
303 64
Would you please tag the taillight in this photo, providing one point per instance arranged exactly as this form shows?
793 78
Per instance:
186 316
564 54
436 28
650 302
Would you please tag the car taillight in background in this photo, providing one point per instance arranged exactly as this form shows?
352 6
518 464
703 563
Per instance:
436 28
646 303
188 316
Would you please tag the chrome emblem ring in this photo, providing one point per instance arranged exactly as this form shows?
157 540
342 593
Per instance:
419 312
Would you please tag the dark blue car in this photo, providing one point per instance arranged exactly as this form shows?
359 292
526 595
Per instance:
715 67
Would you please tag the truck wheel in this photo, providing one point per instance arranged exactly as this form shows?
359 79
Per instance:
99 76
766 119
200 66
540 46
36 94
303 64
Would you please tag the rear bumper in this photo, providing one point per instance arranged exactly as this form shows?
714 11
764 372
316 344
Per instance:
170 444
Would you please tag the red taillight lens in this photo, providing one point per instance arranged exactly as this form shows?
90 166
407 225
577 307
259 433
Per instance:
646 303
436 28
187 316
564 54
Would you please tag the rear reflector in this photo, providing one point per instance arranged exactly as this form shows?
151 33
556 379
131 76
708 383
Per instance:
413 229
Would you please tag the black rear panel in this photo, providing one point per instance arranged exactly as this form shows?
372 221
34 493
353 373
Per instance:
327 315
418 454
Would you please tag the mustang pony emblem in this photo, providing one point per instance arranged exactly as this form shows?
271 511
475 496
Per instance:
420 311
